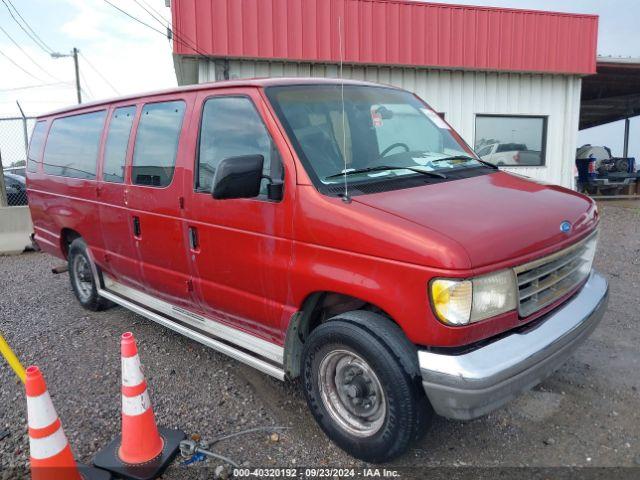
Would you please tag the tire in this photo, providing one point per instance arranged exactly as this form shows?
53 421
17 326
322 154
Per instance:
82 279
377 365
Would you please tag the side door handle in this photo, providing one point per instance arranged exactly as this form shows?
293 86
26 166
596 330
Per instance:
193 238
136 227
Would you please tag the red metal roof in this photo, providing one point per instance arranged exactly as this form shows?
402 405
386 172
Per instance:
389 32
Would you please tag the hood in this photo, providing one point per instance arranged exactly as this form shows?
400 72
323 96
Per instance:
495 217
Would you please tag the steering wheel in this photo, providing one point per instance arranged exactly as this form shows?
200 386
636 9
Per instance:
392 147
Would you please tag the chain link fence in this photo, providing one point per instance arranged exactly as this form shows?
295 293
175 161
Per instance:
14 143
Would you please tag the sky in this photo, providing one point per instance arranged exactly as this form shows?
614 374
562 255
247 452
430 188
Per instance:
134 58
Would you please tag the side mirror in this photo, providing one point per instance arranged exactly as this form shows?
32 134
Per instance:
238 177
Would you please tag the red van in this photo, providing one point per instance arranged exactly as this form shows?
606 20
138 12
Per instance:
341 233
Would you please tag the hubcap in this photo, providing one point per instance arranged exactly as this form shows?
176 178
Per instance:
82 277
351 393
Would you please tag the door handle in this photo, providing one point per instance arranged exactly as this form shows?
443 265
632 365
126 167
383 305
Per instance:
136 227
193 238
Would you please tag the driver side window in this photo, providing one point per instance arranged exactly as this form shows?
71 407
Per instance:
232 127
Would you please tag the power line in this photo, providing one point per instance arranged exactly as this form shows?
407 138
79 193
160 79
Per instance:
86 90
18 66
133 18
176 36
161 21
100 74
33 37
26 54
41 85
156 11
29 27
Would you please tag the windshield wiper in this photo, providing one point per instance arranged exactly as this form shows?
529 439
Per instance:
465 157
384 168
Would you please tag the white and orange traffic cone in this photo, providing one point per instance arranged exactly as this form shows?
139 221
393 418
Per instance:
143 450
50 455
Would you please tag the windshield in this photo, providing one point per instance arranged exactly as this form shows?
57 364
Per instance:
383 131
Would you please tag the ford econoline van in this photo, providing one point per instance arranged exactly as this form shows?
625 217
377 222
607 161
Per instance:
337 232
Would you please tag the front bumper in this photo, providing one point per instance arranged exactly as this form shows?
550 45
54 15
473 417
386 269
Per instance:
472 384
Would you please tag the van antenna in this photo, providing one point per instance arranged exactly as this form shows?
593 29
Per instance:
345 197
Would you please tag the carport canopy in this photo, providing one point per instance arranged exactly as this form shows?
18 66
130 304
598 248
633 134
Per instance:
612 94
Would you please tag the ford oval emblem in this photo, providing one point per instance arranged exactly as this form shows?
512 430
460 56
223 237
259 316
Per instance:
565 227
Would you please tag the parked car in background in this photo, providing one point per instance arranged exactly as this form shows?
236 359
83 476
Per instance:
509 154
337 232
22 171
16 188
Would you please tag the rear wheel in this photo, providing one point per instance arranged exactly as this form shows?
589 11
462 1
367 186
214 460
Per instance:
82 278
362 384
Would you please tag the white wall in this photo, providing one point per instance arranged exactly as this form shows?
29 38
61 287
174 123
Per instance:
460 95
15 229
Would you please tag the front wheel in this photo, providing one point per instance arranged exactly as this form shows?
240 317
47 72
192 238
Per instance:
362 384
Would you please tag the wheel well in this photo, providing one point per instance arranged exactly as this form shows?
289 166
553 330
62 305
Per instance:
317 308
66 237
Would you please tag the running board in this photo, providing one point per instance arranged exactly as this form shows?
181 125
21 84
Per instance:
272 353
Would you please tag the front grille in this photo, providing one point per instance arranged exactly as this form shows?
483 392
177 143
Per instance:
544 281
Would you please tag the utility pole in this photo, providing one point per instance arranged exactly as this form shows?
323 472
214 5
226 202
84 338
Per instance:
74 54
77 68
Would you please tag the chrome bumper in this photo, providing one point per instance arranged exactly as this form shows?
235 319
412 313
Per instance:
472 384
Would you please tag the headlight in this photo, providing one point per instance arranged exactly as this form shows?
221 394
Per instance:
460 302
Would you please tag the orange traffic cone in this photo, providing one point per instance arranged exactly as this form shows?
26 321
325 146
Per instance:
143 450
141 441
49 451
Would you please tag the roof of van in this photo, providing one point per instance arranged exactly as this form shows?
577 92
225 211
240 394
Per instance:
251 82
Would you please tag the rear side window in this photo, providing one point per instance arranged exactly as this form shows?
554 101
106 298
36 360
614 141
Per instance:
35 147
154 155
72 146
232 127
115 150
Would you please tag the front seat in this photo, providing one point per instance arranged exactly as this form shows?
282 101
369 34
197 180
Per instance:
319 146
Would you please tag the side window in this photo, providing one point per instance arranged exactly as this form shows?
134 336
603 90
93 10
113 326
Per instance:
35 146
72 146
156 147
232 127
115 150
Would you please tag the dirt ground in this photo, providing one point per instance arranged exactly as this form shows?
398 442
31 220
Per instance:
585 415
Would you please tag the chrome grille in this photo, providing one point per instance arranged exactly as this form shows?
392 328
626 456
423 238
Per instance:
543 281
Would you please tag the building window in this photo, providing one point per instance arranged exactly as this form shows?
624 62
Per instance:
232 127
72 146
156 147
115 150
512 141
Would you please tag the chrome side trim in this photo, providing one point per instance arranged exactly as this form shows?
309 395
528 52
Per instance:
136 301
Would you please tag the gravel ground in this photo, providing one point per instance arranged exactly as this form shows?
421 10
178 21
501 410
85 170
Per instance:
585 415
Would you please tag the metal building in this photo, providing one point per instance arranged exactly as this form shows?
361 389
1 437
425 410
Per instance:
509 81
